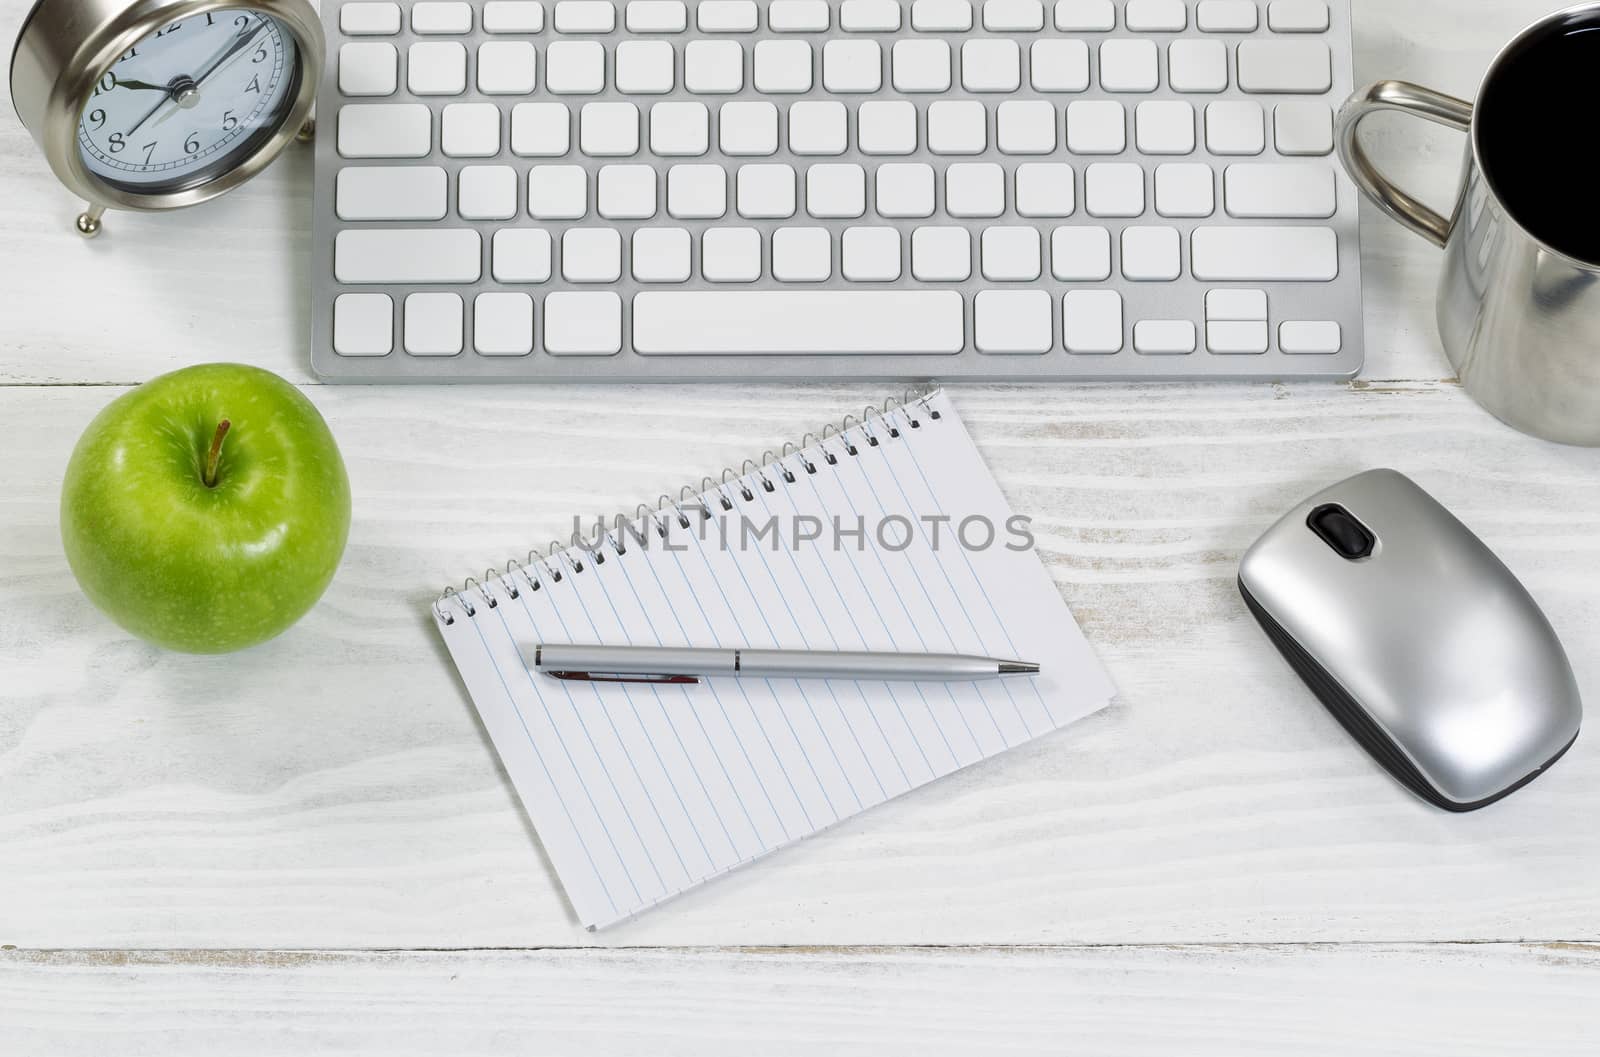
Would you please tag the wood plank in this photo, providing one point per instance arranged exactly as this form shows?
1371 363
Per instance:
1451 1001
333 788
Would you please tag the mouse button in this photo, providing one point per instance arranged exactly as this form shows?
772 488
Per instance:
1342 531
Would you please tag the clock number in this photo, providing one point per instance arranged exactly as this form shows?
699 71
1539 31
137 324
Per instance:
229 122
149 152
97 118
242 23
192 144
108 82
260 55
131 53
254 85
117 143
210 20
170 29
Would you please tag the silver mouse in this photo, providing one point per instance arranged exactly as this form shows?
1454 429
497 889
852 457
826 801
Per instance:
1416 637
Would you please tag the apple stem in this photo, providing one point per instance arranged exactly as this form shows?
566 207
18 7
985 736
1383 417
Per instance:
214 456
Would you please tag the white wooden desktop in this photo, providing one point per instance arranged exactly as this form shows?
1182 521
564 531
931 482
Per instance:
310 846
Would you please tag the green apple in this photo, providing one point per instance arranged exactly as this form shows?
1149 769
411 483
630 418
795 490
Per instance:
207 509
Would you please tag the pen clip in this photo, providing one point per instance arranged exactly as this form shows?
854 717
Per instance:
621 677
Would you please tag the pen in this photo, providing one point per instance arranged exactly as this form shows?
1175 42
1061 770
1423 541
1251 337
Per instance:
667 664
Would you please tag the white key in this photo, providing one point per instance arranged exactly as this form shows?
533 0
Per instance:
657 16
765 191
886 126
435 16
540 130
591 255
369 18
782 66
958 126
661 255
1010 254
368 68
1197 66
390 192
852 66
626 192
1303 128
1018 16
521 255
1026 126
1150 253
608 130
869 16
1058 65
941 255
941 16
836 191
1113 189
513 16
747 128
1226 16
798 16
502 324
487 192
1234 127
506 67
1236 304
918 65
1237 336
679 130
1308 336
817 127
991 65
1085 16
407 255
1286 190
713 67
1080 254
801 255
904 189
731 255
703 322
436 67
1184 190
975 189
1285 66
433 324
1297 16
363 324
1091 321
1012 321
575 67
1096 126
1164 336
1128 66
726 16
1265 254
1164 126
470 130
697 191
644 67
557 192
582 324
1156 16
870 255
1044 189
585 16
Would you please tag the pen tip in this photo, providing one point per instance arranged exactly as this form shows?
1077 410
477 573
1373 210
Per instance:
1018 668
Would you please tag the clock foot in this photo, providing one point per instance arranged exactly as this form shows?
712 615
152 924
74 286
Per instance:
88 222
308 131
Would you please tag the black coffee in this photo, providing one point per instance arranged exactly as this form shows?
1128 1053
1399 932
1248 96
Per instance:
1536 141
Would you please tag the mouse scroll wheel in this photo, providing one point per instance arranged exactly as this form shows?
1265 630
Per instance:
1340 530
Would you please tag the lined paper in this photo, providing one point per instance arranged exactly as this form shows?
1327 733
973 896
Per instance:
642 791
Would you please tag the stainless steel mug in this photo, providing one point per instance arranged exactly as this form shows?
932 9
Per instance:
1519 320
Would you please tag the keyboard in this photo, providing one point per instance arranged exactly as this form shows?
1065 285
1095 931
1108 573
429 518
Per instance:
661 190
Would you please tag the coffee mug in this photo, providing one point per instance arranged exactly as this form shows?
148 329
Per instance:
1519 298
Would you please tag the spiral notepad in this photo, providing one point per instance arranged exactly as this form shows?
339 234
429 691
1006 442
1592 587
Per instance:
886 533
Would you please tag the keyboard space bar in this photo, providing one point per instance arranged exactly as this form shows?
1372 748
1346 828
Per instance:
783 322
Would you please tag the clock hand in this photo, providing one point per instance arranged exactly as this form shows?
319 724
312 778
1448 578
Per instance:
228 53
142 86
149 114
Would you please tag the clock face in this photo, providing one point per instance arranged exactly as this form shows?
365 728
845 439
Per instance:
190 101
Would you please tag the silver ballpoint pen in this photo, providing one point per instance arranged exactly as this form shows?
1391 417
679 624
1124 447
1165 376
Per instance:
667 664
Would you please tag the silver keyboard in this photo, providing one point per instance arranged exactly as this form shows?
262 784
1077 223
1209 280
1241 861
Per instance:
659 190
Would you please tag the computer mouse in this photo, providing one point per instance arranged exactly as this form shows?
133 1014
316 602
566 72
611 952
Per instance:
1416 637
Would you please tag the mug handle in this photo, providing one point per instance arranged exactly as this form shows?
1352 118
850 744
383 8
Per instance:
1410 99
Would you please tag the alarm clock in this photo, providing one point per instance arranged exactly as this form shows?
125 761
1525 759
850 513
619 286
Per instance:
160 104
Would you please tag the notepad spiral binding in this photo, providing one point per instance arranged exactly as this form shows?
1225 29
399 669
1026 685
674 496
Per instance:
474 594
